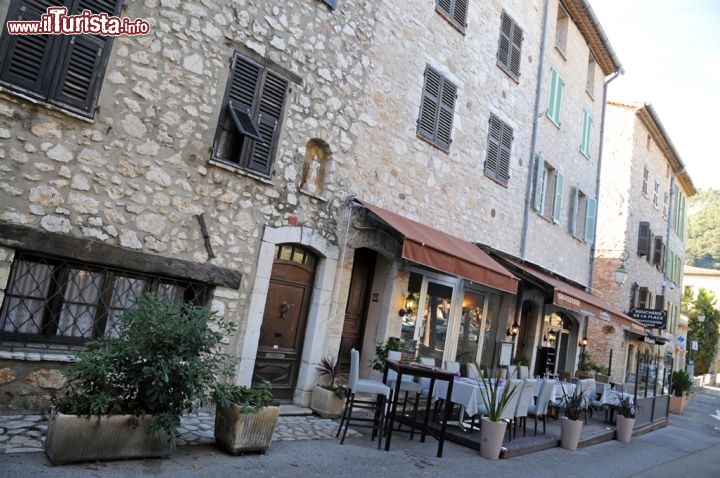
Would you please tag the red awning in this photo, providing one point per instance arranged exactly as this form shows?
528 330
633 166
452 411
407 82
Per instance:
576 299
443 252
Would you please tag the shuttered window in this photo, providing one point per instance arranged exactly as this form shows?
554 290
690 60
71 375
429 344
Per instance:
455 11
586 132
644 234
250 118
556 92
590 216
497 161
437 109
62 70
509 46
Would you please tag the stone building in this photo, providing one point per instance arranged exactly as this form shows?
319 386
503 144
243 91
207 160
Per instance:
642 219
317 171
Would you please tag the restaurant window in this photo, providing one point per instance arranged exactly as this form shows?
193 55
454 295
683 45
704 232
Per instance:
56 301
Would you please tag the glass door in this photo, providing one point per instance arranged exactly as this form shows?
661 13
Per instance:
431 330
470 335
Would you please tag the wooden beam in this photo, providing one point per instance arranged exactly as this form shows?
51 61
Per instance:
49 243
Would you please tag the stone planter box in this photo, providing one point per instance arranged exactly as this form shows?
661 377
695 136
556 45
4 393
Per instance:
325 403
238 433
677 404
75 438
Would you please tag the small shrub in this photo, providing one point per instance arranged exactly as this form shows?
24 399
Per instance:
681 382
250 400
329 369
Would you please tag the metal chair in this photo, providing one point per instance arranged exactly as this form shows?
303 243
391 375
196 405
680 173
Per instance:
363 385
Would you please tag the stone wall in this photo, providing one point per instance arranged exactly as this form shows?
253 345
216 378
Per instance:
26 386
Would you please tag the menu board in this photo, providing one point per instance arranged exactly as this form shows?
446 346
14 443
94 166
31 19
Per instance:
408 351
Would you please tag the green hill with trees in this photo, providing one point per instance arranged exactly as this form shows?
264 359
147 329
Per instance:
702 246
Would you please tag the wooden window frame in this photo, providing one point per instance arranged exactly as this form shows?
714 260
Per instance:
454 11
509 53
437 109
64 71
251 117
499 150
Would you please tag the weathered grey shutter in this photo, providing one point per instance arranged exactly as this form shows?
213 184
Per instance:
557 205
516 49
27 59
505 149
272 98
659 302
539 183
459 13
503 53
443 138
643 245
429 106
657 250
493 151
591 209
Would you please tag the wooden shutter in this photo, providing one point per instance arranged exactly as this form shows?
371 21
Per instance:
643 245
505 150
659 302
459 13
510 45
574 211
272 99
446 113
591 210
555 100
430 104
587 129
657 250
557 205
244 83
27 59
79 75
516 50
539 183
493 151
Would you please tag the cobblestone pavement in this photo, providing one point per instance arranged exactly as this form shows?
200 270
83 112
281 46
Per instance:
26 433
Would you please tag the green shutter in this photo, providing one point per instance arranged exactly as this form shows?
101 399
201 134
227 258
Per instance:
574 212
553 94
587 129
590 214
557 205
558 98
539 183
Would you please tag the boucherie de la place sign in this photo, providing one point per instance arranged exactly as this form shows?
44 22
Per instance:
650 318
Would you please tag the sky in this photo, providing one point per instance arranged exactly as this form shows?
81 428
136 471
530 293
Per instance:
670 51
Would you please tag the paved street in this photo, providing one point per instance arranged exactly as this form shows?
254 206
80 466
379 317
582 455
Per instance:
688 446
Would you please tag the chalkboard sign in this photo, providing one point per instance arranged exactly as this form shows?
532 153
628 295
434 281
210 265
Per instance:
408 351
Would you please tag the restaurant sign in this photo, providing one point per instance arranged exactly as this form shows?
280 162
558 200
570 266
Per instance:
650 318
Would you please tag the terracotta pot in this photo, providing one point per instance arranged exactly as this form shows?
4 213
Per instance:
624 428
492 435
237 432
74 438
570 433
325 403
677 404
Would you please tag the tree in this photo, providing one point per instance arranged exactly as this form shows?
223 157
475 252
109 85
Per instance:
706 332
702 247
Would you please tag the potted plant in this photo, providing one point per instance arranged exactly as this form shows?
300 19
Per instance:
328 398
495 396
245 417
570 423
126 394
381 353
625 410
680 386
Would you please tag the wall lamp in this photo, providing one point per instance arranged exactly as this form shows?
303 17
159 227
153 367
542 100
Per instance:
409 305
513 330
620 273
551 336
583 342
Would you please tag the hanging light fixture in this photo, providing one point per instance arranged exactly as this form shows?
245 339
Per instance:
551 336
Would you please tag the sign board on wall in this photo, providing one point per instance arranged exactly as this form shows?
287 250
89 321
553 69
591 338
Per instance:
650 318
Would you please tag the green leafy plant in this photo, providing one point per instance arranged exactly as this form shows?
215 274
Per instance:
574 404
329 369
164 362
493 398
519 361
626 406
681 382
248 399
381 352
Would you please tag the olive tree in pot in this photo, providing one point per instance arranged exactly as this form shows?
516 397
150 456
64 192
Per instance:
570 424
328 398
681 383
245 418
126 394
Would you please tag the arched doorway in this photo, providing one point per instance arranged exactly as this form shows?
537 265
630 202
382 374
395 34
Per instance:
284 320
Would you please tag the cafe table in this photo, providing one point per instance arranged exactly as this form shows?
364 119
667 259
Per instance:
465 392
421 371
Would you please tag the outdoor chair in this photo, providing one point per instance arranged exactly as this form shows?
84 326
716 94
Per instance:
539 409
523 405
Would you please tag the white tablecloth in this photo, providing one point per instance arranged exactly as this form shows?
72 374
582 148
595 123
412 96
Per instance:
557 394
466 392
612 397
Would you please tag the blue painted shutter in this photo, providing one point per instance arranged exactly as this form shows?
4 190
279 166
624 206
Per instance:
574 212
591 212
557 205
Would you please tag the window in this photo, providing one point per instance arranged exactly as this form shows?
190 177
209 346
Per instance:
679 217
644 298
586 133
646 174
556 91
665 204
582 224
497 161
455 11
437 109
250 117
62 70
561 29
656 193
643 241
331 3
590 81
64 302
509 46
658 259
547 200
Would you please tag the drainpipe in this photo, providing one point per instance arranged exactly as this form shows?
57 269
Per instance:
599 168
533 140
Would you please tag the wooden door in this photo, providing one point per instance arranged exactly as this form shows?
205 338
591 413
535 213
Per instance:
284 320
357 304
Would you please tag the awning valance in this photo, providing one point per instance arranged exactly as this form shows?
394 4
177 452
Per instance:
438 250
574 298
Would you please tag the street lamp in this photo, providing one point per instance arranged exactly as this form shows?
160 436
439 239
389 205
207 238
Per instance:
620 273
